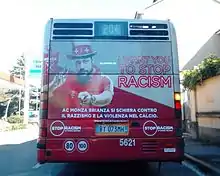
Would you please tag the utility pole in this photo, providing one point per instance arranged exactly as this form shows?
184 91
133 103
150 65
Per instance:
26 96
19 105
21 68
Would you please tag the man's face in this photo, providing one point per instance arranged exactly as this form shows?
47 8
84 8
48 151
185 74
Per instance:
83 66
83 69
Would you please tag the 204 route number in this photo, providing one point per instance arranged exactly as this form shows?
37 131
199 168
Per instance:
127 142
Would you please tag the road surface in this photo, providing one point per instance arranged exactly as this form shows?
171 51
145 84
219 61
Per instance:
19 159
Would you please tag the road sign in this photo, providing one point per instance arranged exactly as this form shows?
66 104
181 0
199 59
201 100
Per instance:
35 68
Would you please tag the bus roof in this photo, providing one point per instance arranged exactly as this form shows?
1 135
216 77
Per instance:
153 30
55 20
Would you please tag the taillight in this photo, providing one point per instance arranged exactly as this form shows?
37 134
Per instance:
43 128
169 145
43 115
177 103
41 143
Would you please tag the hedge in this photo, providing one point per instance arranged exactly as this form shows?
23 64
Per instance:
208 68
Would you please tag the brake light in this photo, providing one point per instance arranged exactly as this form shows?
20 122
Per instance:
42 128
43 115
177 103
169 145
43 132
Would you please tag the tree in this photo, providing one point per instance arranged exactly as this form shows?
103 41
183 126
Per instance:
18 70
3 101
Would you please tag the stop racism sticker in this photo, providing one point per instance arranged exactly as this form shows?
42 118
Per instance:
57 128
150 128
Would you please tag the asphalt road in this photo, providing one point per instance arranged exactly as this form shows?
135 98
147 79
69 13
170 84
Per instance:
20 160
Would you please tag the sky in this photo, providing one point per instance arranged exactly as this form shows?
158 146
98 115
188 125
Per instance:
195 22
24 21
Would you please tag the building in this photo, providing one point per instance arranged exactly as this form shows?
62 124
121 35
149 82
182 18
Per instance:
8 81
202 105
212 46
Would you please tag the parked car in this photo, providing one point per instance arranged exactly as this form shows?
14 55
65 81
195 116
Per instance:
33 117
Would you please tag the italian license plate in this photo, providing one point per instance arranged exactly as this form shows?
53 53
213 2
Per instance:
109 129
169 150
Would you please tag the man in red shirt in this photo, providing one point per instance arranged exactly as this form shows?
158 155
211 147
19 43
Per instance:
86 88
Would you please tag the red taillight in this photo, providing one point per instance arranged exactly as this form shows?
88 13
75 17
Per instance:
177 100
43 105
43 128
43 115
169 145
42 132
177 103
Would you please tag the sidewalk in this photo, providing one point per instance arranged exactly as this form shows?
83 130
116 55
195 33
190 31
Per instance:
205 152
18 136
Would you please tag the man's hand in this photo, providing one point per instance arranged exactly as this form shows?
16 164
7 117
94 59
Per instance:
84 98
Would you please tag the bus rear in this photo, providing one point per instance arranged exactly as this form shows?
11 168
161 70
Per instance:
110 91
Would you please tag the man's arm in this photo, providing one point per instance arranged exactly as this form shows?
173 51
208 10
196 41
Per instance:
106 96
56 97
58 100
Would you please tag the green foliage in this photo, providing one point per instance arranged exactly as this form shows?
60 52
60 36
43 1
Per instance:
209 67
14 104
3 96
5 126
15 119
3 101
18 69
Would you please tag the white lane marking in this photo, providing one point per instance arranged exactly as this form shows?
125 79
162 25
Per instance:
36 166
193 168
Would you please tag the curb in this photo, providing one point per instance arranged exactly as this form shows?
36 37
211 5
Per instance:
202 163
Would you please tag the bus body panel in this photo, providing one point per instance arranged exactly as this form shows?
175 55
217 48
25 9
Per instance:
109 149
141 121
139 71
86 128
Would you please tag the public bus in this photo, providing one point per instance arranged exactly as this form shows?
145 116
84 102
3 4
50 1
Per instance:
110 91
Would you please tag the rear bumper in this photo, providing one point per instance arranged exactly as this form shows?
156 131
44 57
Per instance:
102 149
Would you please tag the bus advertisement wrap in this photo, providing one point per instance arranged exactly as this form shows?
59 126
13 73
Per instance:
88 80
